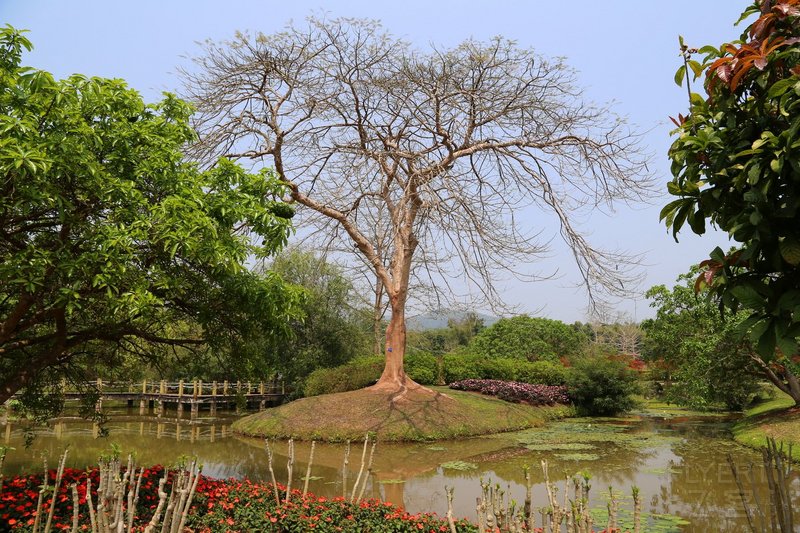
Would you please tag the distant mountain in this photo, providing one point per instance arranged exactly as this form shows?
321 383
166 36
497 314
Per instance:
438 320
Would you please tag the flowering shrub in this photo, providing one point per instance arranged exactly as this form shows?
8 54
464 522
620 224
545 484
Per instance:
222 506
249 506
513 391
20 494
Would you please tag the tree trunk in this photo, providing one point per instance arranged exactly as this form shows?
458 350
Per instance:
784 378
394 377
377 316
794 386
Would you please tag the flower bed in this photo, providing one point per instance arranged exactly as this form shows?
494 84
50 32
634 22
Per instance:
221 506
514 391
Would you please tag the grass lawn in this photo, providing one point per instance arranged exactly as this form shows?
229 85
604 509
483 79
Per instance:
777 418
418 416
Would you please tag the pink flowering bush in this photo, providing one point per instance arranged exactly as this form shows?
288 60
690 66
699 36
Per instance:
514 391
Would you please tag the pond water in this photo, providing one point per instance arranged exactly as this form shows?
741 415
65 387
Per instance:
678 462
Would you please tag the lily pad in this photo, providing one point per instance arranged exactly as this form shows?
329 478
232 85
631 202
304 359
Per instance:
459 465
578 456
547 447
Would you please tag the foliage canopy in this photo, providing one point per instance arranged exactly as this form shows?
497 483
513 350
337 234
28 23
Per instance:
110 240
706 356
735 162
525 337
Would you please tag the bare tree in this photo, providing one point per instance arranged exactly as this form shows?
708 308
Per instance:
450 145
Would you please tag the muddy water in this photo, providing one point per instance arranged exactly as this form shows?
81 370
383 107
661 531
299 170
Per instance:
678 463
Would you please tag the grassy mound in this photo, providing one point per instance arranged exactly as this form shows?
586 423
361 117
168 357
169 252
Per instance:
419 415
777 418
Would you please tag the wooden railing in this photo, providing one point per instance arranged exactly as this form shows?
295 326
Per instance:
181 388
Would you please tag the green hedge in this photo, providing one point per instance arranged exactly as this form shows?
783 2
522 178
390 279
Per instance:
357 374
458 367
365 371
423 368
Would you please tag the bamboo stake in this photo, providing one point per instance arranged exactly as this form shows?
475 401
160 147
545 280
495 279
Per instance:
192 491
133 502
369 470
75 507
361 469
39 502
450 521
92 517
637 510
272 472
308 469
162 498
289 468
59 475
344 469
170 506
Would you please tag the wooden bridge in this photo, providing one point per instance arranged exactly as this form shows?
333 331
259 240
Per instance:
157 395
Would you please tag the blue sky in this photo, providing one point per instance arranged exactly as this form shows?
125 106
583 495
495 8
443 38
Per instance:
625 52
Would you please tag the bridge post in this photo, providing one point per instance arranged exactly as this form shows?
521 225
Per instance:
99 405
142 401
180 400
162 389
238 393
213 406
194 406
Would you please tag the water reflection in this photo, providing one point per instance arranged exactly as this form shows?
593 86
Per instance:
679 465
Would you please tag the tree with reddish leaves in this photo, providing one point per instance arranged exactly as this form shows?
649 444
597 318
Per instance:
736 163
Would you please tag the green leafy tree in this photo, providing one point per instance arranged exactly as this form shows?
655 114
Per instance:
110 240
332 330
735 163
710 360
524 337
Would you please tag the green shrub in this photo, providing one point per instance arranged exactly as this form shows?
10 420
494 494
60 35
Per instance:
421 367
458 367
358 373
602 386
544 373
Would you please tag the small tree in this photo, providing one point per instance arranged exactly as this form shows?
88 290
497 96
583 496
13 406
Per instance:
332 330
710 360
736 163
533 339
445 147
109 241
